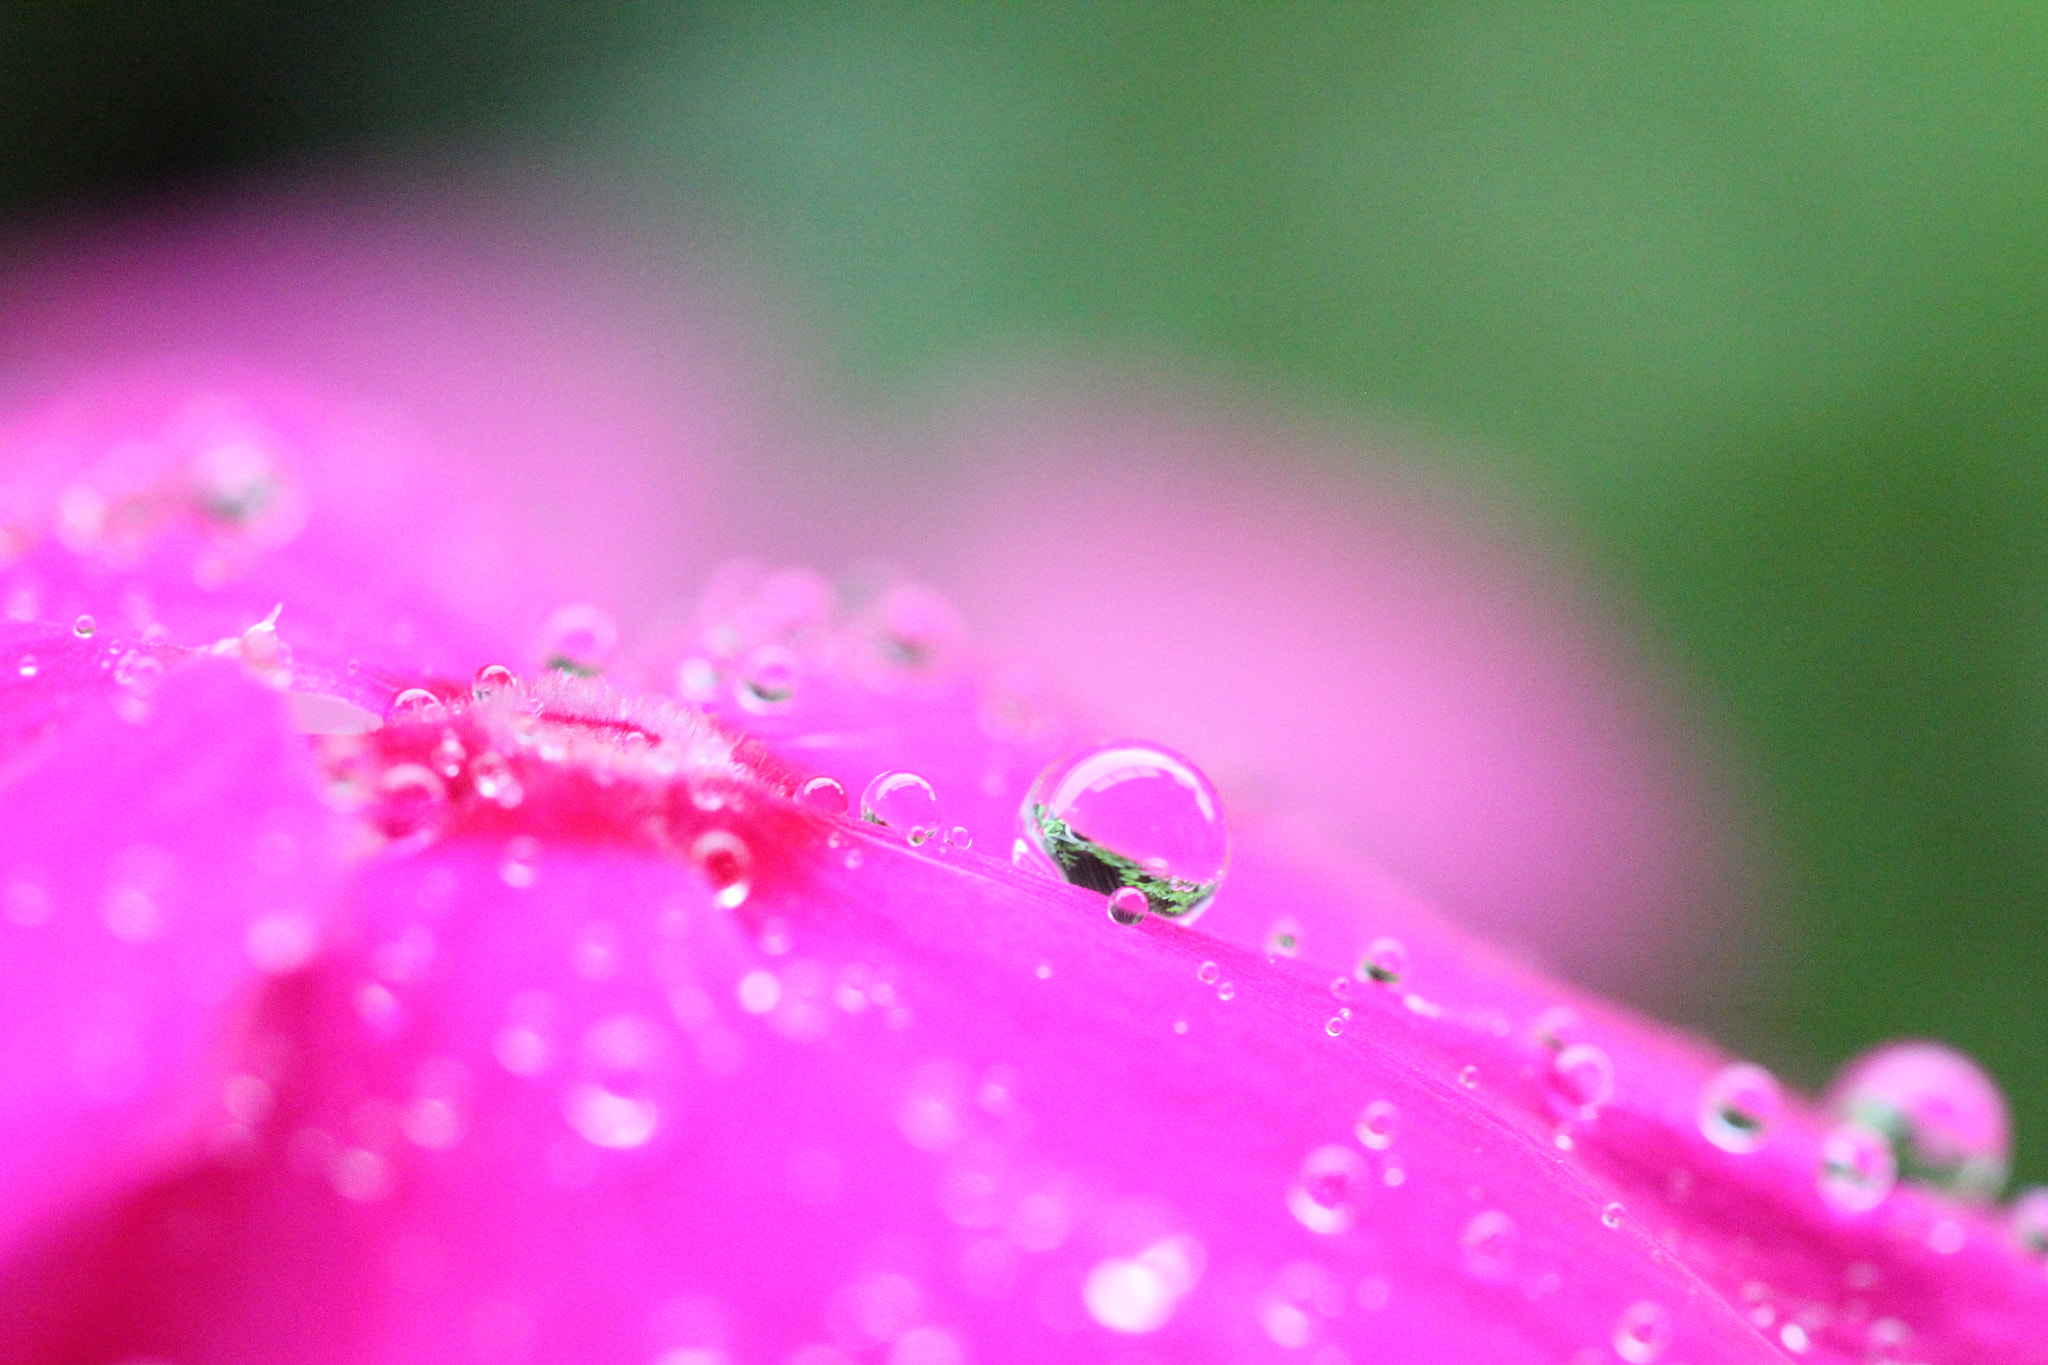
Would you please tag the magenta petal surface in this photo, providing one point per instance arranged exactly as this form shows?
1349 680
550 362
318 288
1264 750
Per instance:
154 861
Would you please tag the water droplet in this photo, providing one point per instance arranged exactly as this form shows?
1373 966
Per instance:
411 799
1469 1077
1284 938
1208 973
825 794
83 627
492 777
1738 1107
492 679
1378 1124
767 681
1324 1196
138 671
2028 1221
1128 905
960 837
727 863
415 703
606 1119
1857 1168
900 800
1334 1025
1385 962
27 668
1487 1246
1127 1296
1944 1117
1581 1080
1227 991
1610 1216
1643 1333
578 639
1128 814
518 870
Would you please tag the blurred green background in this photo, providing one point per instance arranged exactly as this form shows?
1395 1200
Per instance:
1753 300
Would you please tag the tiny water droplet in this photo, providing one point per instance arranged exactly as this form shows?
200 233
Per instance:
1469 1077
727 863
1208 973
1643 1333
411 799
1945 1118
1227 991
1385 962
578 639
449 755
1857 1168
960 837
1128 905
28 666
1334 1025
84 626
493 779
900 800
825 794
1610 1216
1581 1081
767 681
1341 988
1738 1107
1378 1124
492 679
1128 814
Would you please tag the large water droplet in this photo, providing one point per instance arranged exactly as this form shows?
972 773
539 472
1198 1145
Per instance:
83 627
1324 1196
1738 1107
1128 814
1644 1333
1945 1118
825 794
1857 1169
1128 905
415 703
902 801
767 681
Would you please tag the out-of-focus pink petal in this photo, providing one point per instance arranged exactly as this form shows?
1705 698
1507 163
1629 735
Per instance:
157 856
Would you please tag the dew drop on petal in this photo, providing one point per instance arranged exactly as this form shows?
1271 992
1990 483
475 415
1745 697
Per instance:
1610 1216
1581 1080
578 639
1208 973
605 1119
1945 1118
415 703
960 837
411 798
1738 1107
1857 1168
84 627
1227 991
27 666
824 794
1488 1245
1468 1077
1643 1333
1334 1025
1385 962
900 800
727 863
1324 1196
1284 938
492 679
1128 814
1378 1124
1129 905
767 681
2028 1221
494 781
1127 1296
